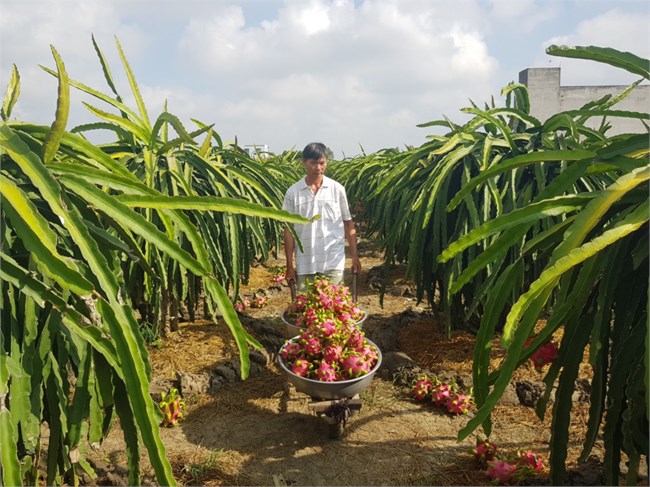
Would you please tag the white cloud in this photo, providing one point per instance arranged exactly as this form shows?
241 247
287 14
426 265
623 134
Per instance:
327 65
614 28
284 73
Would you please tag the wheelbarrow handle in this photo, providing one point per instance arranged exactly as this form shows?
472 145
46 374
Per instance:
354 287
292 288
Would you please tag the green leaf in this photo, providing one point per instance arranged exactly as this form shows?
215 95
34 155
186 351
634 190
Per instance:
53 139
549 277
210 203
522 216
33 288
39 239
11 94
146 125
620 59
516 162
133 221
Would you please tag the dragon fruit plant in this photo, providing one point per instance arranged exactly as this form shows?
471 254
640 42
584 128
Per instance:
323 302
329 352
172 407
545 354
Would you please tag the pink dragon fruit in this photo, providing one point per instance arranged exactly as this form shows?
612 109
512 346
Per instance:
531 461
300 367
356 339
458 403
326 372
290 351
312 345
368 353
354 365
332 353
172 407
545 354
440 393
422 388
485 451
501 471
327 328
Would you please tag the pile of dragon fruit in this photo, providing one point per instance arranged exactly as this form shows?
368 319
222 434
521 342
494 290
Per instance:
504 469
321 303
329 352
441 394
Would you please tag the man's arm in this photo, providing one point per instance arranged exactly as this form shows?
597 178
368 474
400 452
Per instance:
351 237
289 246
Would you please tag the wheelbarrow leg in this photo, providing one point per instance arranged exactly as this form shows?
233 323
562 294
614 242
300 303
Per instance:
337 413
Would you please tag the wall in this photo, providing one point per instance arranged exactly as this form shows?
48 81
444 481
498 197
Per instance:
548 97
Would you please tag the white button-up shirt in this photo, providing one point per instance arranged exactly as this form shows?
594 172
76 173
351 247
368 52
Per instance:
323 240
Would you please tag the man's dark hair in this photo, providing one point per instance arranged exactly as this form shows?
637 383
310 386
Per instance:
314 151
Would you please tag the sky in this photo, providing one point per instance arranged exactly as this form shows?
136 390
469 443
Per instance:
357 75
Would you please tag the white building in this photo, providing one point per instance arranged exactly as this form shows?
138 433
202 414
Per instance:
548 97
257 150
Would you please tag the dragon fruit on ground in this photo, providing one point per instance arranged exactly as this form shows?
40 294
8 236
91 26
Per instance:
501 472
440 393
531 462
485 451
172 407
422 388
458 403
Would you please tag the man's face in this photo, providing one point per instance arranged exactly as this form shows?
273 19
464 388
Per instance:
315 168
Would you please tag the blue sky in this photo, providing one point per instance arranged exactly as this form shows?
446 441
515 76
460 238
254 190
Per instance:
348 73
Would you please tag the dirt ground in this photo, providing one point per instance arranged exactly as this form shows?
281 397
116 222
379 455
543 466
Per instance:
261 432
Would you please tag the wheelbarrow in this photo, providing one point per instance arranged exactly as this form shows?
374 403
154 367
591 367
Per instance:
335 402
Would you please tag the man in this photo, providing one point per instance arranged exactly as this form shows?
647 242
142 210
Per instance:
324 239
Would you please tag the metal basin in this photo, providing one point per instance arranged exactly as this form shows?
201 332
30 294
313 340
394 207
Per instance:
331 390
291 330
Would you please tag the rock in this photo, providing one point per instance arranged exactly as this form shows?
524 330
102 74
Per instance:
274 289
395 360
509 397
226 372
261 357
216 383
192 383
401 291
530 392
159 385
